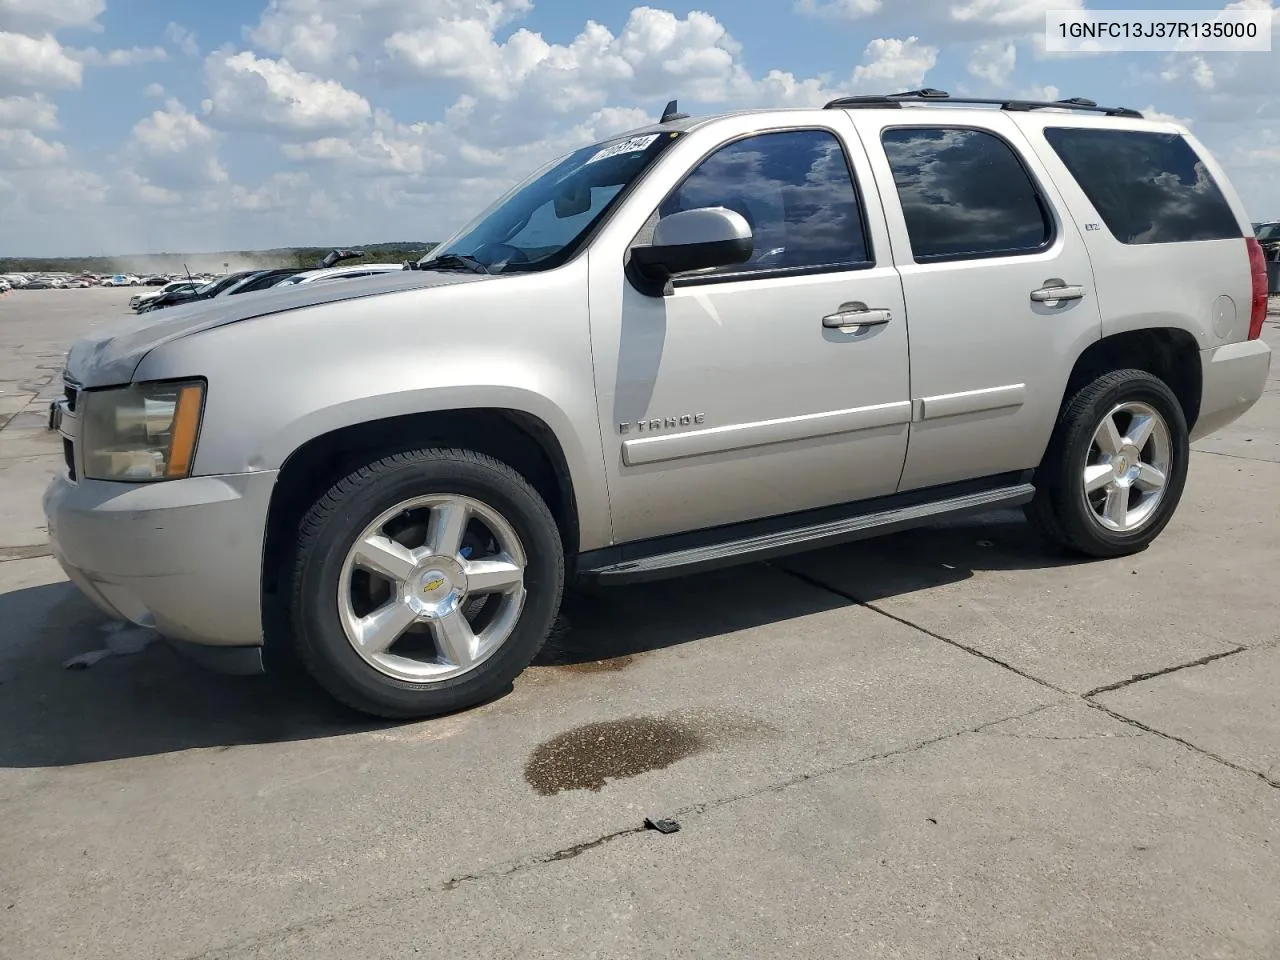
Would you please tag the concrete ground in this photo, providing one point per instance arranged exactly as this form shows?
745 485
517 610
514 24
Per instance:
948 743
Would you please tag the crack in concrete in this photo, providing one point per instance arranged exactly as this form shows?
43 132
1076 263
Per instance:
1139 677
1037 736
568 853
1186 743
1086 697
972 651
1233 456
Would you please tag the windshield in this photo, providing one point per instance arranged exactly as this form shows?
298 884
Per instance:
541 223
1269 232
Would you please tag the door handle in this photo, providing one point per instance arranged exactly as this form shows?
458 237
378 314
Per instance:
1055 289
856 315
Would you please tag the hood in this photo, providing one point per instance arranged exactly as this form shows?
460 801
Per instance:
110 353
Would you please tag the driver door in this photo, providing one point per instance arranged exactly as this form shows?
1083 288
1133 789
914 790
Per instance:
730 398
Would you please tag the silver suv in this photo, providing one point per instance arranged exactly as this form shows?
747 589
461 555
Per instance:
703 342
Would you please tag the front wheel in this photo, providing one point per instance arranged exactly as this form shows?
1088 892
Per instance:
425 582
1115 468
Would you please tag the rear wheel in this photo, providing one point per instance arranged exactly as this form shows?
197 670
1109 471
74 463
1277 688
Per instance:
425 582
1115 468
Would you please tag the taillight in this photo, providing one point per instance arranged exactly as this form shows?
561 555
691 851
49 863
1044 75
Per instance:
1258 270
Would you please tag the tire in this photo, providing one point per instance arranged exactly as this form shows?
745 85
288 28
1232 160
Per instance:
426 671
1127 510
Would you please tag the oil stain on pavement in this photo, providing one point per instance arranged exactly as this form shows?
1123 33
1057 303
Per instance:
586 757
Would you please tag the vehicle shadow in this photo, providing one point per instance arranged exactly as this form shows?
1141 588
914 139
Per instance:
156 702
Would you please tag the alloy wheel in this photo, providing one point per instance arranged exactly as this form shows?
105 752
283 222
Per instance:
1127 467
432 588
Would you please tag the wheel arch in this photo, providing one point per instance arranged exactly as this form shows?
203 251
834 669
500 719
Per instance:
520 439
1169 353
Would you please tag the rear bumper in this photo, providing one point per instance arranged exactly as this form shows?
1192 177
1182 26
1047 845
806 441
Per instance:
183 556
1234 377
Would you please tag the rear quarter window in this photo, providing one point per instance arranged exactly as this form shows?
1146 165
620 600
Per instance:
1148 187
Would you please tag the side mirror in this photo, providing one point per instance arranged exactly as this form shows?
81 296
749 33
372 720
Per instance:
690 240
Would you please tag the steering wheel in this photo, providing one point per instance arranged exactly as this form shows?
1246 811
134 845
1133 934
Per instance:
493 254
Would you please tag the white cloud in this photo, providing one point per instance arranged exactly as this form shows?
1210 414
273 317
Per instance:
951 20
154 90
895 64
1022 15
183 39
34 16
92 57
994 62
293 192
840 9
36 63
655 52
28 113
134 188
319 34
22 149
1045 93
249 93
172 147
1151 113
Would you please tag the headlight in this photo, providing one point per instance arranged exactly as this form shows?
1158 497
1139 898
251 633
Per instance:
146 431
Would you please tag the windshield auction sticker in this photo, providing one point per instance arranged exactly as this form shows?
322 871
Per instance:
630 145
1171 31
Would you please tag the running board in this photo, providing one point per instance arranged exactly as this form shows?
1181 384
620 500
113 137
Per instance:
780 543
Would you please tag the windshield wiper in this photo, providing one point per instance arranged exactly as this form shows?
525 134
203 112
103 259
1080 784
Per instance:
454 261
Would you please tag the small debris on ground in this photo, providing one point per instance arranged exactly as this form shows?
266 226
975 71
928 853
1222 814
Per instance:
662 826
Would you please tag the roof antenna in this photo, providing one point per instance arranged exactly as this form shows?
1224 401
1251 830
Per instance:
672 113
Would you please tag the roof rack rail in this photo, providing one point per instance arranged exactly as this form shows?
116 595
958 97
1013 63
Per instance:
930 95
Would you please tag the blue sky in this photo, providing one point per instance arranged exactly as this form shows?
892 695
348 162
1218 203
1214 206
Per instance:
172 125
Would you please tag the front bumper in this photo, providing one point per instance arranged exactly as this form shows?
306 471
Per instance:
183 556
1233 378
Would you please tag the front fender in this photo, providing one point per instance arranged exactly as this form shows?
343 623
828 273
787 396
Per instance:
277 382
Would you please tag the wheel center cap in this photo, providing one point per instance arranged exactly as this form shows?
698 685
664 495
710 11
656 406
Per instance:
1120 465
438 588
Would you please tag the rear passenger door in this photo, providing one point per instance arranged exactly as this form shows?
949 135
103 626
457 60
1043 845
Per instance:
982 244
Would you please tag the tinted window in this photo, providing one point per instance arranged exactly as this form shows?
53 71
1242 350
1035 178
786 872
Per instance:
793 188
964 194
1147 187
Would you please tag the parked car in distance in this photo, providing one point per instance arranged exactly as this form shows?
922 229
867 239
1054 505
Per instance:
121 280
260 280
343 273
680 348
42 283
206 291
1268 235
5 286
172 286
